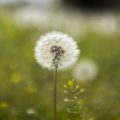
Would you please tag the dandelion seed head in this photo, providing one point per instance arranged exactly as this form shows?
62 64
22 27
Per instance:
56 50
85 70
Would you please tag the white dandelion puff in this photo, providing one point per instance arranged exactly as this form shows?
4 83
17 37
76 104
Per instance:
85 70
56 50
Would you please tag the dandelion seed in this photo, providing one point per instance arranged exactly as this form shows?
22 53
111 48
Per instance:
56 50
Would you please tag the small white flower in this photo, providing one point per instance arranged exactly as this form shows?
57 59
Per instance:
85 70
30 111
56 50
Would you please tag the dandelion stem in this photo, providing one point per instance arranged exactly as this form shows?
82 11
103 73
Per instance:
55 94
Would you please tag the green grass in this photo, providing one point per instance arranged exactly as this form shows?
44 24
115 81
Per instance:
24 84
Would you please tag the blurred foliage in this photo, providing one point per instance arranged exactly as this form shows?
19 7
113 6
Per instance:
75 104
25 85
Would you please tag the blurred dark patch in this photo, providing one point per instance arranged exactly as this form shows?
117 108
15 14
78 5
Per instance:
94 4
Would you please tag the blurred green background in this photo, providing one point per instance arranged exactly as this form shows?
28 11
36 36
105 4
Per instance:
26 88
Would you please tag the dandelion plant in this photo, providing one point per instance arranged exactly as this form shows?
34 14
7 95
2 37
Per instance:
86 70
56 51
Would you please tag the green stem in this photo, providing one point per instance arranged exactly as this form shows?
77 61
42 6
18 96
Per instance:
55 94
